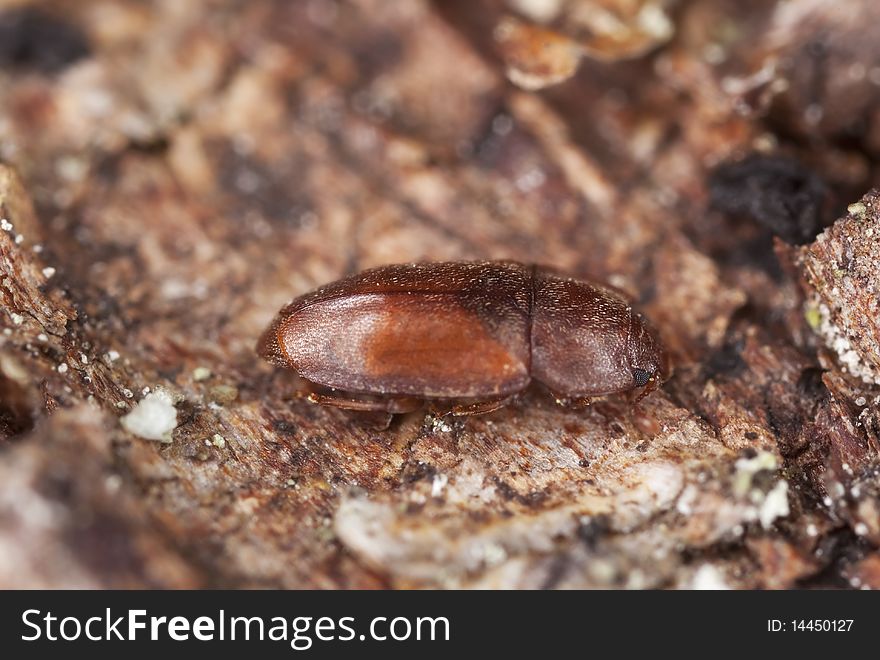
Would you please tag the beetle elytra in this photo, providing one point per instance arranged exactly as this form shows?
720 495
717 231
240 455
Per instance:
470 336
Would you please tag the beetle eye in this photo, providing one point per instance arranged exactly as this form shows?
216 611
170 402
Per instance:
641 377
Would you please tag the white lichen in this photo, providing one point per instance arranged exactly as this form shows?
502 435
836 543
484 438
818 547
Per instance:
837 340
153 418
775 504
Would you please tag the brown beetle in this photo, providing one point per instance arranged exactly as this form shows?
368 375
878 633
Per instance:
466 336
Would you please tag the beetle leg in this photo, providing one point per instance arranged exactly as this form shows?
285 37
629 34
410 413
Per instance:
480 407
642 392
393 405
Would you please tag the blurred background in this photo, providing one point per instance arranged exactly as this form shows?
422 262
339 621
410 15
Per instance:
171 173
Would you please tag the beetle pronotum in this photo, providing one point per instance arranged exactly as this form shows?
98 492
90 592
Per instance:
467 336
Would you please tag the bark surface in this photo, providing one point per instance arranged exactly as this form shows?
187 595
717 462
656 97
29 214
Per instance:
171 174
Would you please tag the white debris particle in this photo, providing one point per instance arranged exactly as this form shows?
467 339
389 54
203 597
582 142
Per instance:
42 337
111 356
153 418
812 530
201 373
38 248
17 319
775 504
439 483
121 404
747 468
5 225
861 401
83 358
145 391
48 272
19 239
62 368
861 529
439 425
858 209
218 441
708 578
127 393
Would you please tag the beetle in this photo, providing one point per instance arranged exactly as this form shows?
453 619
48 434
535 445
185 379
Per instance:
467 337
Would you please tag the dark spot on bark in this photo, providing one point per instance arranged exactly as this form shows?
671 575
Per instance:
839 550
506 490
751 435
778 192
559 567
16 409
725 361
33 40
592 530
810 383
105 544
764 480
417 471
283 427
58 487
274 191
534 498
377 53
511 494
754 252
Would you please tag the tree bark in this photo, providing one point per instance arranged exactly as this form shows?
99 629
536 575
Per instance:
173 173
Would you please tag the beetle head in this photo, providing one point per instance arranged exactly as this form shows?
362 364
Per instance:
648 359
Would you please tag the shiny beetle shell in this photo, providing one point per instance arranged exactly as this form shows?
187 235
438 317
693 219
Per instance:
462 331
